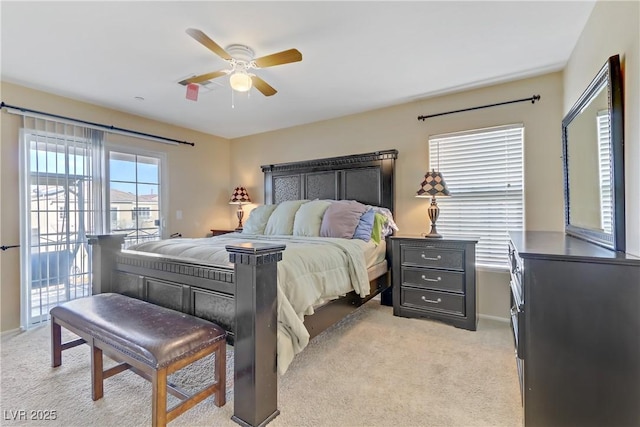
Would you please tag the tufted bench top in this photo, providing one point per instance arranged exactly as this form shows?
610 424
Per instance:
151 334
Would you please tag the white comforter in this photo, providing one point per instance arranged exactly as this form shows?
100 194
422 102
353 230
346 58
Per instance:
312 270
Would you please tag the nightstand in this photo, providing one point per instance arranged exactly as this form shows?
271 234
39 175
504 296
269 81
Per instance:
220 232
435 278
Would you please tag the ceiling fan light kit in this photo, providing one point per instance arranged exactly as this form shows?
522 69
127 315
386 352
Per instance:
241 60
240 81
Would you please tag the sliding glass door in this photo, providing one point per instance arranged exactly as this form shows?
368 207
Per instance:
71 187
60 205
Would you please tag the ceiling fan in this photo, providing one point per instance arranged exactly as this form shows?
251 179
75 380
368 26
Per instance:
241 62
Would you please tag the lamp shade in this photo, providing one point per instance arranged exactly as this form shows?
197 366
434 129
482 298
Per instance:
433 185
239 196
240 81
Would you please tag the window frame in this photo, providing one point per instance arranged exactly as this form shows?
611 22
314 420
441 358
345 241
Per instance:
163 183
488 259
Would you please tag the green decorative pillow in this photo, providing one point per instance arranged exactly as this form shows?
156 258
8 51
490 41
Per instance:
308 219
281 219
379 221
257 220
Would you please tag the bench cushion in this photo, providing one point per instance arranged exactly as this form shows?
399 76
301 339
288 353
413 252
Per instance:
154 335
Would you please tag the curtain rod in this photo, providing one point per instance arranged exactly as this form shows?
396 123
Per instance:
108 128
533 100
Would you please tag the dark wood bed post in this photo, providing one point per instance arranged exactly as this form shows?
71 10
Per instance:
105 247
255 388
256 309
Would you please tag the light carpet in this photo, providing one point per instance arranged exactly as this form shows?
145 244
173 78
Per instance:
371 369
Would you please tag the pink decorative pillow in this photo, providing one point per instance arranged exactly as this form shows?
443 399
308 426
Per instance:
341 219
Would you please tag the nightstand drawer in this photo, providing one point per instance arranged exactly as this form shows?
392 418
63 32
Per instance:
432 300
450 259
452 281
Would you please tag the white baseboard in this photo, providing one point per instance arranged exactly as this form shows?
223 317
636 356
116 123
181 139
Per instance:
496 318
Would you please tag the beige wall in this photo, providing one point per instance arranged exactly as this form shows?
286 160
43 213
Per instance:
398 127
613 28
201 178
198 178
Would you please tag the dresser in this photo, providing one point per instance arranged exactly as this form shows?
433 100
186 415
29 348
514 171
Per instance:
435 278
575 318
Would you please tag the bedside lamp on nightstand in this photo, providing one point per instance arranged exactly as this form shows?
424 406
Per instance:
239 197
433 186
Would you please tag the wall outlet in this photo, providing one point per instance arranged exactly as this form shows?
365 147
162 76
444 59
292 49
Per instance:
178 214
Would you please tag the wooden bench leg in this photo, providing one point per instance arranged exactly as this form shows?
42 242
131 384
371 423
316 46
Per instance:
220 375
97 374
159 398
56 343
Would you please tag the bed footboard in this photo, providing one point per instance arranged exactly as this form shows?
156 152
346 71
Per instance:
243 299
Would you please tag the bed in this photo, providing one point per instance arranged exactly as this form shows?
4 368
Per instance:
240 294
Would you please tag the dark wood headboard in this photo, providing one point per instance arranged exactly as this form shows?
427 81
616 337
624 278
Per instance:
367 178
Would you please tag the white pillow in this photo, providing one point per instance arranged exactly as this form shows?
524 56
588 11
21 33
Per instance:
257 220
281 219
309 218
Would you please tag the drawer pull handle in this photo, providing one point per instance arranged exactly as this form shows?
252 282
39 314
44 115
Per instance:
425 299
428 279
423 256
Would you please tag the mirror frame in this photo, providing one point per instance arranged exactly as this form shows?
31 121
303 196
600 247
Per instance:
609 73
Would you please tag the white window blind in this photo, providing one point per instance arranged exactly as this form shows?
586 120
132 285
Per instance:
61 201
483 170
604 157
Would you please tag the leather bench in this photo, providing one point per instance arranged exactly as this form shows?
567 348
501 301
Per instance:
150 340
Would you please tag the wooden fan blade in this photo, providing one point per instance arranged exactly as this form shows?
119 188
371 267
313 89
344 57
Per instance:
263 86
203 77
208 43
284 57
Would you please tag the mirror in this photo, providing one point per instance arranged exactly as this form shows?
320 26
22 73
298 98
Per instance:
592 150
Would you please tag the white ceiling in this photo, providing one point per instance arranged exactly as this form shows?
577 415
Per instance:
357 56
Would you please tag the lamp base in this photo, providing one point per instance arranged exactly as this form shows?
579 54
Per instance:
433 212
240 215
433 234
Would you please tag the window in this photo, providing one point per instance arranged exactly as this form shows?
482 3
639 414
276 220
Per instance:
483 170
604 163
142 213
63 198
135 193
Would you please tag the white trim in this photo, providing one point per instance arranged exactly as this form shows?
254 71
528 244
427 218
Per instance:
25 229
